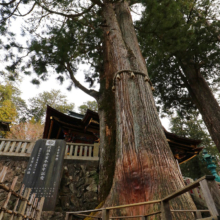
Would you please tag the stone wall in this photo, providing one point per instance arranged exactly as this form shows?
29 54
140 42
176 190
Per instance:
78 188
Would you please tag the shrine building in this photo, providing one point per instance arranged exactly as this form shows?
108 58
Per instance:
77 128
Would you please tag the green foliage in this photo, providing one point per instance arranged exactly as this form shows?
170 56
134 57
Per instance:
54 98
11 104
7 111
10 96
61 44
177 33
92 105
193 127
169 32
14 109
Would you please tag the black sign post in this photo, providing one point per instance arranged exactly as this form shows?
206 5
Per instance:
44 170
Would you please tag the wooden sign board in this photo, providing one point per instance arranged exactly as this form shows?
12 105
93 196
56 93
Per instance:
44 170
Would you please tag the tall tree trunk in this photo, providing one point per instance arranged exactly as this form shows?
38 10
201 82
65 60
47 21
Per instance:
107 119
204 100
145 168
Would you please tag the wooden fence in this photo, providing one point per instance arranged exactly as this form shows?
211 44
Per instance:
21 148
73 151
196 192
79 151
24 207
208 186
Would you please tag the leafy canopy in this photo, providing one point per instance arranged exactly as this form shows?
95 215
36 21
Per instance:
54 98
174 34
65 33
92 105
14 109
9 100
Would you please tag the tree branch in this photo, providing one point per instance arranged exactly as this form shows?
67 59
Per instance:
13 11
90 92
66 15
22 15
6 4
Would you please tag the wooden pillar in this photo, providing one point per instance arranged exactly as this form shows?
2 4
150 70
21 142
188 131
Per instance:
58 134
165 210
105 214
51 127
211 194
197 214
67 216
96 150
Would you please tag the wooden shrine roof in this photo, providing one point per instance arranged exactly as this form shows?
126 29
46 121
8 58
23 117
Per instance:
86 128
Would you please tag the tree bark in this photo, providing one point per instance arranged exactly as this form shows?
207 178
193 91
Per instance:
145 168
204 100
107 123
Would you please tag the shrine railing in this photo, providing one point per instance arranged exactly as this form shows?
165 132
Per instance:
21 148
211 195
73 151
197 192
82 151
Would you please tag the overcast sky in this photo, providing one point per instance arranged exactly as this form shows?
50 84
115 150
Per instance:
75 95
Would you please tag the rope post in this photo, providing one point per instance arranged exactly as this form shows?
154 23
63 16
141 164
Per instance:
105 214
67 216
165 210
211 194
198 214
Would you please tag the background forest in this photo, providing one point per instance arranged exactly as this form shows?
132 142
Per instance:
27 117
